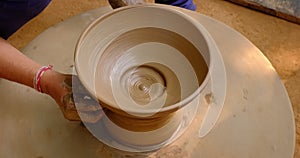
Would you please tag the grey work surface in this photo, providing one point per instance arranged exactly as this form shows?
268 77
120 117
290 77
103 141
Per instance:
286 9
257 119
291 7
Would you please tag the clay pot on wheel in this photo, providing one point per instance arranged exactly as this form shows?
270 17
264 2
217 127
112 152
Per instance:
144 63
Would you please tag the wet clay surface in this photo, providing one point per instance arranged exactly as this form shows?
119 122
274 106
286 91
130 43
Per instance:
276 38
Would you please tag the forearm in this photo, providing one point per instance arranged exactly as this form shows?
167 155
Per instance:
15 66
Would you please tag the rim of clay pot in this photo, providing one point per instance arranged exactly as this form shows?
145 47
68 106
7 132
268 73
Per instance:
208 39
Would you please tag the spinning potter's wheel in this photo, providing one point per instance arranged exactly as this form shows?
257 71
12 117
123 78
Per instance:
257 119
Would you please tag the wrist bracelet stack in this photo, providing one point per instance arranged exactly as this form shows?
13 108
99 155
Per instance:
38 76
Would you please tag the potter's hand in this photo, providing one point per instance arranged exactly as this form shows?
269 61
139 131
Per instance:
121 3
116 3
15 66
68 91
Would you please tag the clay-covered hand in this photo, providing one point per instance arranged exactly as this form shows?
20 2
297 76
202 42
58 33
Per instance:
133 2
121 3
117 3
67 91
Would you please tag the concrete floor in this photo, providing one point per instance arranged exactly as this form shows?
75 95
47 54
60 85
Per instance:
278 39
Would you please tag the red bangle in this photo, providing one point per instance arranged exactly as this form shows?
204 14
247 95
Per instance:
38 76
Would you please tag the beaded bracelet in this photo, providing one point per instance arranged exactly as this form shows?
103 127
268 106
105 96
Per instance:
38 76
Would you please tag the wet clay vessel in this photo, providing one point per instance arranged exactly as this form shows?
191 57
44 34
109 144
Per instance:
143 64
